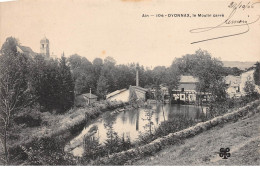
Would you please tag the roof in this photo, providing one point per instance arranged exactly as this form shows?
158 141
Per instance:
26 50
44 40
187 86
231 79
89 95
188 79
140 88
115 93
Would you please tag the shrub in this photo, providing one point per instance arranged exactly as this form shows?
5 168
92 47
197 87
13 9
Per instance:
28 120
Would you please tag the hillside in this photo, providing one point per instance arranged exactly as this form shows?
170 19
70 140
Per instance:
241 136
238 64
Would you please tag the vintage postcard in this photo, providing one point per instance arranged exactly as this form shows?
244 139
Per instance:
130 82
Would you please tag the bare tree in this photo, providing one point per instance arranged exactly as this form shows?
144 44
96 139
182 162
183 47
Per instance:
13 88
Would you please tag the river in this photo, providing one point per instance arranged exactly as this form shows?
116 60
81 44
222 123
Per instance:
131 123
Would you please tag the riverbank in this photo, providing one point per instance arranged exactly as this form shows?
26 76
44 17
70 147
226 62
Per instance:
129 156
242 136
54 128
48 148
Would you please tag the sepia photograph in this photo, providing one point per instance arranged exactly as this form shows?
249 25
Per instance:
129 83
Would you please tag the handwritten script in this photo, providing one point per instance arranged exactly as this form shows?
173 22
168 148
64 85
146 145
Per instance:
230 22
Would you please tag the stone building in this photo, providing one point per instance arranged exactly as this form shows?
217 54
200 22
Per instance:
119 95
233 86
45 48
123 94
186 91
237 84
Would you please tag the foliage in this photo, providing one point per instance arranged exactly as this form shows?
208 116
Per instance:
158 94
47 151
249 88
149 94
113 144
218 90
219 108
102 87
84 73
132 96
149 116
14 92
66 86
257 74
112 141
178 123
207 69
232 71
52 84
92 147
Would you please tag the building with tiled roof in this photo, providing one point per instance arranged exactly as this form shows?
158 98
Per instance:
233 85
186 90
124 94
26 50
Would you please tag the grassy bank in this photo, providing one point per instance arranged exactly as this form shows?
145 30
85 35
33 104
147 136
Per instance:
128 156
49 133
241 136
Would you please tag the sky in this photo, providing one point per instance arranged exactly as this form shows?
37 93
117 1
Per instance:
116 28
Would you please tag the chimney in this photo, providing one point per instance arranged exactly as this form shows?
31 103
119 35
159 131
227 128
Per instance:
137 75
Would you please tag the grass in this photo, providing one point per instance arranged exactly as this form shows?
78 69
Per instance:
242 137
175 138
54 126
60 127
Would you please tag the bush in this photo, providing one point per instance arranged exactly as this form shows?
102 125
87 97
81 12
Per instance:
47 151
29 118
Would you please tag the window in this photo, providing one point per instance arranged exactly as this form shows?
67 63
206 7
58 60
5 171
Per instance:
42 45
238 89
182 89
182 96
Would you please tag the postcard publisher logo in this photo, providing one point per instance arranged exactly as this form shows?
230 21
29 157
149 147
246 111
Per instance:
224 153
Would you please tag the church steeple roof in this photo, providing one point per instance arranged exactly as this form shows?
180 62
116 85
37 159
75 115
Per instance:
44 40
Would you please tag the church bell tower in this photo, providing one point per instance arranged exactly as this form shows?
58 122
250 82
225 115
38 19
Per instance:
44 49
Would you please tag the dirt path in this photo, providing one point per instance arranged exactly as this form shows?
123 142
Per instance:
242 137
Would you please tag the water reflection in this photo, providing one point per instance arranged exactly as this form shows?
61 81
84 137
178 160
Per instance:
130 123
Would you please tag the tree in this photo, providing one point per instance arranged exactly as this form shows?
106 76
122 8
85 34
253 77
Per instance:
172 79
149 117
257 74
110 72
110 61
218 91
132 95
158 93
159 74
46 83
149 94
102 87
249 88
53 84
112 141
67 86
207 69
97 67
14 90
83 72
